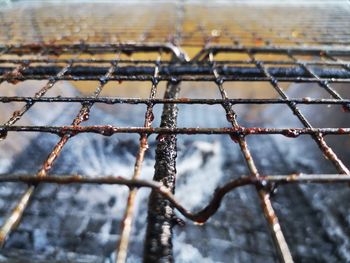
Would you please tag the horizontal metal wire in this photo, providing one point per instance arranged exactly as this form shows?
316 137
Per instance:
204 214
305 50
109 130
168 72
165 62
117 100
129 48
16 79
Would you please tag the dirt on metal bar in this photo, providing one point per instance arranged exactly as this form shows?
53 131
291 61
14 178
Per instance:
158 244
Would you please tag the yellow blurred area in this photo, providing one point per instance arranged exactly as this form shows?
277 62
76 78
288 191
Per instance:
187 23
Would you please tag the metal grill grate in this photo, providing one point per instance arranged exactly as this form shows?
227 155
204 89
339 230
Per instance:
203 67
219 64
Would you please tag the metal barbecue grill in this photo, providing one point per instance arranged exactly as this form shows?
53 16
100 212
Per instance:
174 45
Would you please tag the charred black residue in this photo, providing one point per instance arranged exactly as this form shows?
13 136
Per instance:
166 72
158 245
3 134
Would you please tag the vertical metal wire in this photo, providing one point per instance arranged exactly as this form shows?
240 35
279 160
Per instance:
122 247
272 219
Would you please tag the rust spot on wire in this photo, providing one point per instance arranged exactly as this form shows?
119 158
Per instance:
13 75
346 108
342 130
291 133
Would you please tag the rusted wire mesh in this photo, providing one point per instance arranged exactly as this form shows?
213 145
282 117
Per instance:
205 68
216 63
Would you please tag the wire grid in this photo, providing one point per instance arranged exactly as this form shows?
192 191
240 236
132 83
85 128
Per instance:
326 67
245 34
